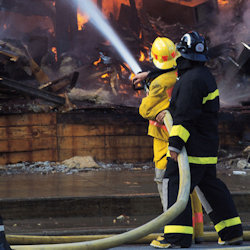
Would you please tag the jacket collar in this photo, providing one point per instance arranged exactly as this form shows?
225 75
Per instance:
183 65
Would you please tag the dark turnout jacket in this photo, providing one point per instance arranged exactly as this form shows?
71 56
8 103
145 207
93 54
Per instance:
194 107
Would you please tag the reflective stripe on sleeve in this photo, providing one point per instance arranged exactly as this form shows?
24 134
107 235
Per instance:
179 130
156 124
178 229
202 160
1 228
211 96
227 223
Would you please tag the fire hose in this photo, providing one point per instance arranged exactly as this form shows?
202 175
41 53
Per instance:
37 239
143 230
142 234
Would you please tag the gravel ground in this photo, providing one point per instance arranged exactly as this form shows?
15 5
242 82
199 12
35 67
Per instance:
233 161
48 167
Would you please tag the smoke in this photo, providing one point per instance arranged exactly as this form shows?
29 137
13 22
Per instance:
232 24
232 28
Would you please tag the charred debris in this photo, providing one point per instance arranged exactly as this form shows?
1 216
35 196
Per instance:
59 62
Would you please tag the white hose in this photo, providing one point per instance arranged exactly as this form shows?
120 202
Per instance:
143 230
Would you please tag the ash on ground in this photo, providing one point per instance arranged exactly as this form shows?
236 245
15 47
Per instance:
48 167
238 161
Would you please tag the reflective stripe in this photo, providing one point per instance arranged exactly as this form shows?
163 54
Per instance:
199 160
210 96
168 154
1 228
227 223
178 229
169 91
179 130
202 160
158 125
198 218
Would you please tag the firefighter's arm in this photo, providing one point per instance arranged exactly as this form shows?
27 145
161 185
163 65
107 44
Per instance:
188 108
154 103
140 77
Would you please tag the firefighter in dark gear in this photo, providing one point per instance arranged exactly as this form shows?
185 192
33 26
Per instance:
4 245
153 108
194 107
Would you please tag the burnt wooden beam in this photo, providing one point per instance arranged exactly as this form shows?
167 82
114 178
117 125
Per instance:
9 54
31 91
66 82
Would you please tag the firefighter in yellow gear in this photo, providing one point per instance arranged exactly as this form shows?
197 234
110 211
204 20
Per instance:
152 108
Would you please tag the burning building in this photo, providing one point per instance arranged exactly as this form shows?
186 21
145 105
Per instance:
55 64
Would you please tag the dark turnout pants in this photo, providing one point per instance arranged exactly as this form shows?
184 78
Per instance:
215 197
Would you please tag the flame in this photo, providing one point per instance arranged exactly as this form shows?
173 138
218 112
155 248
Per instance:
132 75
97 61
82 19
105 75
107 7
140 35
223 2
105 78
142 56
54 50
123 70
126 65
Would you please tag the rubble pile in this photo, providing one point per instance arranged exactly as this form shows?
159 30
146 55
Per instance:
60 70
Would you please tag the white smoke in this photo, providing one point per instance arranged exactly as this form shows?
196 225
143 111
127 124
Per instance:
232 27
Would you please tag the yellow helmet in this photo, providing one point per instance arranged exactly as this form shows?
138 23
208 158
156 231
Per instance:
164 53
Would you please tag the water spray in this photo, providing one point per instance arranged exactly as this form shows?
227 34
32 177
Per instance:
101 23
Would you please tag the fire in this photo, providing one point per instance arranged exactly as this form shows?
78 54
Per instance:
107 7
142 56
97 61
140 35
105 75
81 19
223 2
54 50
132 75
105 78
122 69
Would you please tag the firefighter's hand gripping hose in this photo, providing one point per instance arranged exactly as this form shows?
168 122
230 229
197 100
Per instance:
143 230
